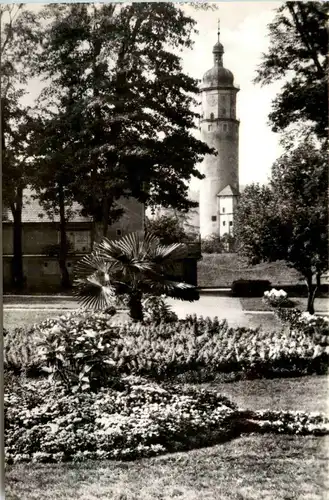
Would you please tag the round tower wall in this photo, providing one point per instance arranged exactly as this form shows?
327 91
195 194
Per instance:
219 171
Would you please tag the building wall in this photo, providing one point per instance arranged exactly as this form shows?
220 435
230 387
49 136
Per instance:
131 221
37 236
226 210
41 272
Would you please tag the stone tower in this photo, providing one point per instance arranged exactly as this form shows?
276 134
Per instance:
219 190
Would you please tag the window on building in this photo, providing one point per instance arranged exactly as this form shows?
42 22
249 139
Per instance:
119 232
231 223
225 127
79 240
212 116
213 218
224 223
209 127
223 111
223 210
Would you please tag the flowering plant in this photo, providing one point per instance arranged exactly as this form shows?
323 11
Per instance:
45 424
276 298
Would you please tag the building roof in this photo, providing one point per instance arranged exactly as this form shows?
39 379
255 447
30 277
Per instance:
33 212
228 191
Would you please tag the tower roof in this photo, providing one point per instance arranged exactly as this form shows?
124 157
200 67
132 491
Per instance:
218 76
228 191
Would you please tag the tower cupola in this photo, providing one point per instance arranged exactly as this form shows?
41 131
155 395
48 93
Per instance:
218 75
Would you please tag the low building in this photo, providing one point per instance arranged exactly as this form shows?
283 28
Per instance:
41 237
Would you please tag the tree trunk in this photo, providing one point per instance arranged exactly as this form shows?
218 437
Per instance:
63 244
311 291
18 279
135 306
105 216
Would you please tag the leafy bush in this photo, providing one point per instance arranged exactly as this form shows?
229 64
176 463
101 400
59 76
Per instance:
156 310
212 245
20 354
277 298
250 288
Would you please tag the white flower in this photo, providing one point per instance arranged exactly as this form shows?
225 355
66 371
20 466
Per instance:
54 428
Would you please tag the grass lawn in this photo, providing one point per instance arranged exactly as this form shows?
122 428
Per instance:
253 468
24 317
256 304
248 468
216 270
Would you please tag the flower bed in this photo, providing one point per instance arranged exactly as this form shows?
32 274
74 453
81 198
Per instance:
315 327
43 423
159 351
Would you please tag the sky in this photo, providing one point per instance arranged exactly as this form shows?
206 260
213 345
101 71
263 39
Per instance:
244 36
243 27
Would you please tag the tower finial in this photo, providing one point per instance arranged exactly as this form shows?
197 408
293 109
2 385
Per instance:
218 29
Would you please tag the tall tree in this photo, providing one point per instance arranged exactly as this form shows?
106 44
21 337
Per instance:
16 41
298 52
289 219
132 118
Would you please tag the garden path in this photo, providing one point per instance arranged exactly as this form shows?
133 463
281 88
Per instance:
228 308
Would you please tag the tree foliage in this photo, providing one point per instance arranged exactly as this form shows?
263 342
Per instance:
288 220
298 52
16 120
169 229
130 103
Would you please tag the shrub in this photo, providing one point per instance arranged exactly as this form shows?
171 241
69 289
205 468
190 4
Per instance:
212 245
20 351
22 346
250 288
156 310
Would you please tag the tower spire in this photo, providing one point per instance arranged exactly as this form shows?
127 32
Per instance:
218 30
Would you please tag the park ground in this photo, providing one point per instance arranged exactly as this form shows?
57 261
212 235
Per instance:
247 312
251 467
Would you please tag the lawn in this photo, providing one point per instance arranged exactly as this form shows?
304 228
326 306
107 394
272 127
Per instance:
220 270
256 304
252 467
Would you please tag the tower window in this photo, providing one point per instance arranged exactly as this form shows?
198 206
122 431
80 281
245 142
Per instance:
213 218
224 223
119 232
212 116
209 127
223 111
225 127
223 210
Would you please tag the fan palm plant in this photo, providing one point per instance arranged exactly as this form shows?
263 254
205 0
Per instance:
134 265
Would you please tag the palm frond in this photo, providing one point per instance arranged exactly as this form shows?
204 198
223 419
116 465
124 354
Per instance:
90 264
93 294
